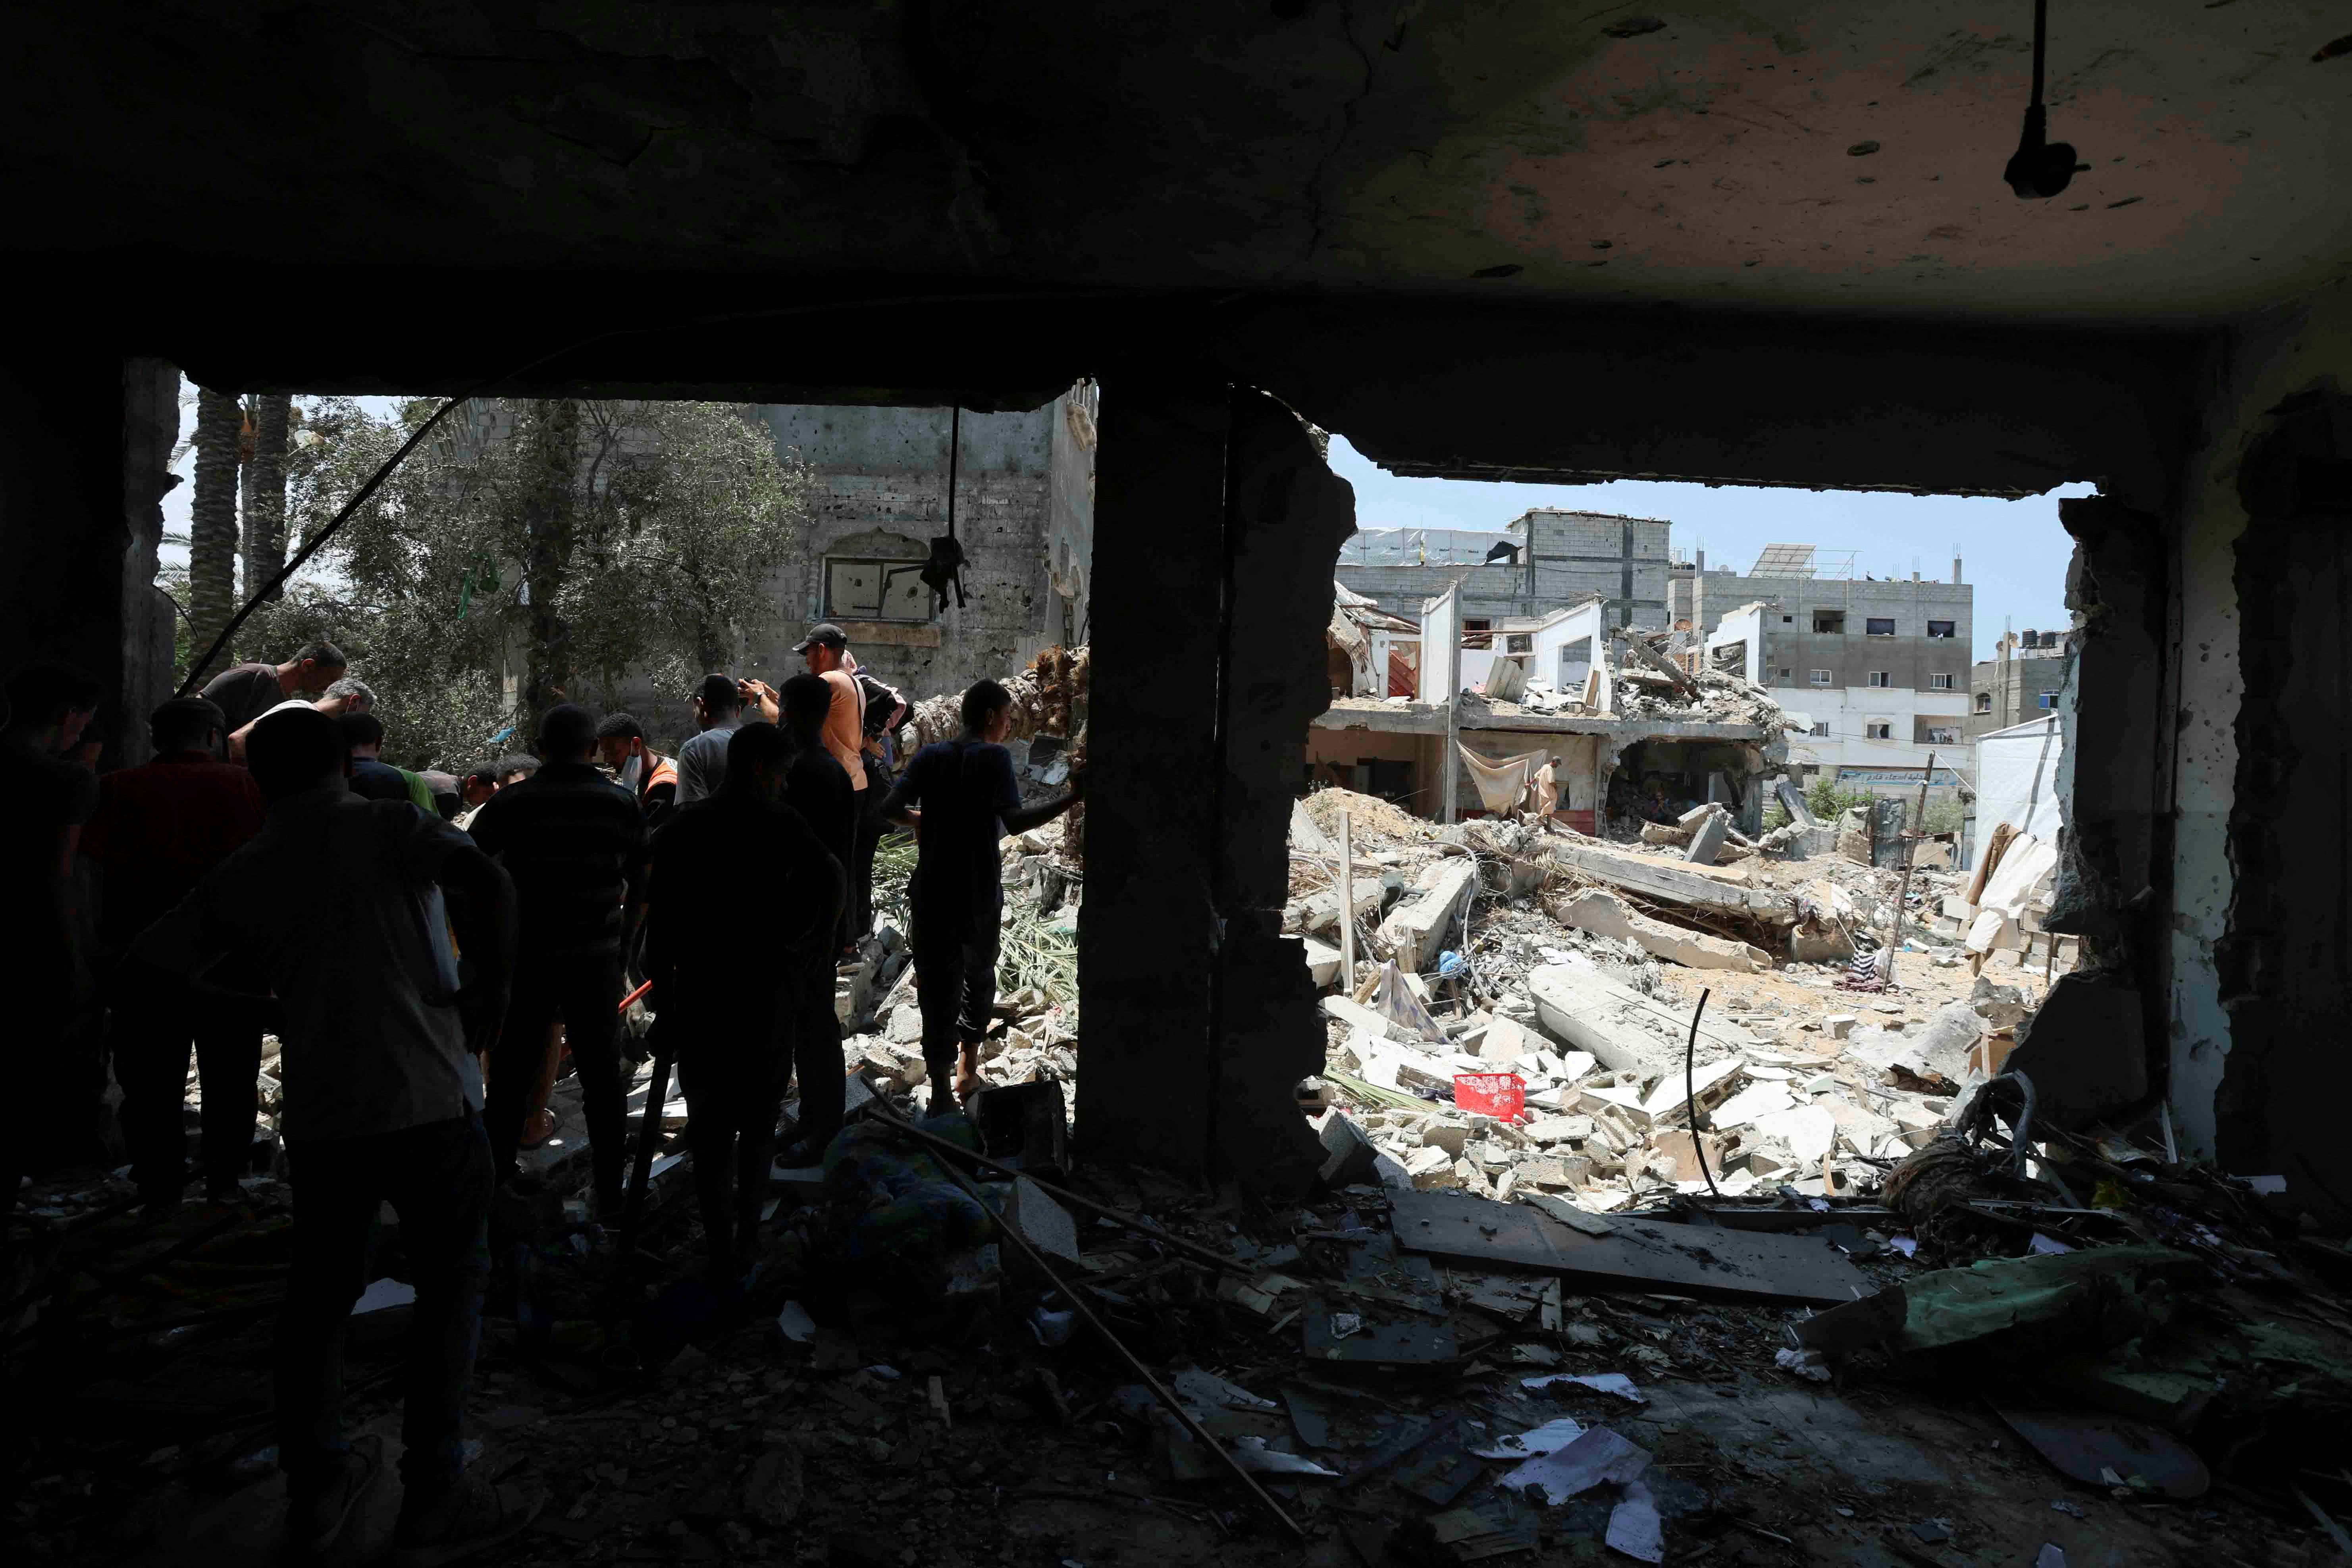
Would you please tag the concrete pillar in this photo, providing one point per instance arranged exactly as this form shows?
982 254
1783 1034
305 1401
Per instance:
1212 591
1148 926
85 454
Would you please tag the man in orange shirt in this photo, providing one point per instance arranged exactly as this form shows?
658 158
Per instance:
823 649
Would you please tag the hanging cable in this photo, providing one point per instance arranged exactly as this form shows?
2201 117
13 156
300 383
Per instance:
944 569
2040 168
375 480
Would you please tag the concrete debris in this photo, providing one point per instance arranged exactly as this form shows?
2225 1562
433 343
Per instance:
1605 914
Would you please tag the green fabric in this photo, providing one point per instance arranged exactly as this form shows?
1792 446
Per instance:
420 793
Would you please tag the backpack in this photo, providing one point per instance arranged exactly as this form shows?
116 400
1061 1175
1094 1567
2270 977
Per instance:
883 705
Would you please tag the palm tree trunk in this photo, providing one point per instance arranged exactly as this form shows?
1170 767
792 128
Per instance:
265 492
550 514
211 521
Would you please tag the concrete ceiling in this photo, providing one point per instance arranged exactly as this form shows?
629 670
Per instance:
1834 158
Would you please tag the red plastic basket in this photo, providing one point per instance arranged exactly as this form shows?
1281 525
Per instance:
1501 1095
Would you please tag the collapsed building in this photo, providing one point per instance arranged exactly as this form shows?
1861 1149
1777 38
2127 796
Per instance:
1623 732
1514 244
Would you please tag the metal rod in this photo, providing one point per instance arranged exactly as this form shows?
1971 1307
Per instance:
1063 1194
1347 907
641 1173
1910 853
1168 1400
1690 1093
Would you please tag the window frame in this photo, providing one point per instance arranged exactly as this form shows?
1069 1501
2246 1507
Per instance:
1836 631
1870 625
1871 731
1941 681
836 611
1880 680
1951 629
1820 677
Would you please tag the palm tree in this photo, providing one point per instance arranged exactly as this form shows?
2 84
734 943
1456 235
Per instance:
211 518
264 491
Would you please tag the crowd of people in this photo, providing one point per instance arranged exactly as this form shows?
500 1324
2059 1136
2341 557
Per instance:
422 943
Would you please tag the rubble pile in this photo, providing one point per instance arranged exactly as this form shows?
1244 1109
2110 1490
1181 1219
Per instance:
1721 699
1593 1274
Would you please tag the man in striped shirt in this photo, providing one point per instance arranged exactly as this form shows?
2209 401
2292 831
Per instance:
574 843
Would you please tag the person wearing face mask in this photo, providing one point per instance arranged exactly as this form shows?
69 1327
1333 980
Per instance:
639 769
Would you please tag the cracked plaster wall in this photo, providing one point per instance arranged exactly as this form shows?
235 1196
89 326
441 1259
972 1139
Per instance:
2247 373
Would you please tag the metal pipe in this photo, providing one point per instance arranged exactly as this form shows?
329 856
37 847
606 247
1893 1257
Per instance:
1158 1390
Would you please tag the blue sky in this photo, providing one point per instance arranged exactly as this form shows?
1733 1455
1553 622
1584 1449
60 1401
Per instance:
2013 552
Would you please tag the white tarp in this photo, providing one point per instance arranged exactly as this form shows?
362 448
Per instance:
2017 780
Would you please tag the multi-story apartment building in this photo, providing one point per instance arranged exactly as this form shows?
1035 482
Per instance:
1879 668
2020 681
1538 562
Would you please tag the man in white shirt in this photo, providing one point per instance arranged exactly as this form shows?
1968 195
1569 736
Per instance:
339 901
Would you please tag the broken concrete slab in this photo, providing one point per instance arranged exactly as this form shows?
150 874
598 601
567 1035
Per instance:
1808 1130
1351 1154
1625 1030
1605 914
1679 1147
1938 1052
1676 1090
1418 929
1558 1129
1635 1255
1322 962
1757 1100
1708 837
1660 882
1505 1040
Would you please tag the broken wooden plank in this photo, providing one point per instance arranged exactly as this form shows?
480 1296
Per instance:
1682 1259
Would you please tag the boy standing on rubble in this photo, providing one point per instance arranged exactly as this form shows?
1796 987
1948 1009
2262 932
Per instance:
747 900
338 900
960 798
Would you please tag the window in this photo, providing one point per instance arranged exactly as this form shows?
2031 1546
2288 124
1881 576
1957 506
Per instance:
1939 628
1984 701
1878 731
1940 683
1478 634
1519 642
1943 735
866 590
1830 622
2049 700
1787 620
1880 625
1822 731
1819 677
1785 673
1882 677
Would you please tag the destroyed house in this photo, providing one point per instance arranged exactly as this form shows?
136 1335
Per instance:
1309 214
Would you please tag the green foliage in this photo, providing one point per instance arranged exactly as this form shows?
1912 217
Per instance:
1941 816
529 552
1826 800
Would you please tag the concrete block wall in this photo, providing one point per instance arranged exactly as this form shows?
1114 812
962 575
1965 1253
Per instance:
1576 555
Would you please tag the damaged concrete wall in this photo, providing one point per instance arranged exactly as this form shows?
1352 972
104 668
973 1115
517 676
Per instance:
85 458
1200 1019
2259 933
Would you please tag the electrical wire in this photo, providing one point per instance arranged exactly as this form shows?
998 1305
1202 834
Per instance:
375 480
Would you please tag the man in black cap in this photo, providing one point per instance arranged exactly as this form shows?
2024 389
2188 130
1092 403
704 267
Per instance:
826 650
